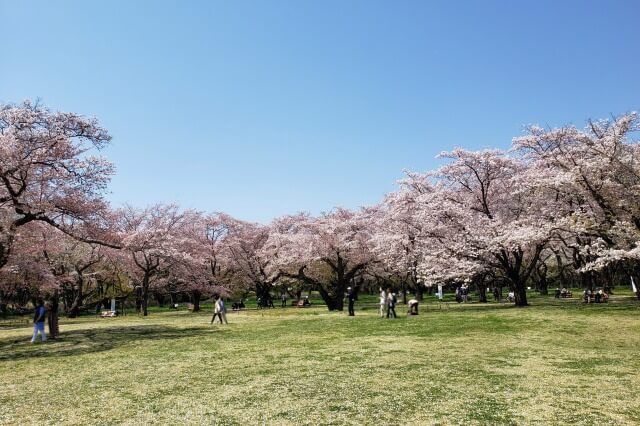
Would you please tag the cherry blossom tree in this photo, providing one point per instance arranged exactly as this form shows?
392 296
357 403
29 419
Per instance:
481 214
251 262
26 274
204 268
399 230
596 174
76 264
326 252
155 239
49 174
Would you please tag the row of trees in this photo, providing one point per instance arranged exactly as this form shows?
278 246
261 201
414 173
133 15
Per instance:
561 206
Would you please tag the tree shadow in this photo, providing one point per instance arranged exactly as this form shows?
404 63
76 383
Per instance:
92 340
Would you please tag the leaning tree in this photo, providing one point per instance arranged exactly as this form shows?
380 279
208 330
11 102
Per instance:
50 174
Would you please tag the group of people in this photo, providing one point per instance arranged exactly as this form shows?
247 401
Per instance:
562 293
388 302
462 293
48 313
597 296
219 310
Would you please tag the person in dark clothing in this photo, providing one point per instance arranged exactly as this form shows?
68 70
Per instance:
391 310
351 297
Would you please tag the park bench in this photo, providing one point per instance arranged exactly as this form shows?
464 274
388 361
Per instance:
108 314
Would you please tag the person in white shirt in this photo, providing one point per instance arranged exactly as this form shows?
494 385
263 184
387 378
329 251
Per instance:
219 310
383 303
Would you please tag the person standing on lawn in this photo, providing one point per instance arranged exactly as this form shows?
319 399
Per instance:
38 321
391 303
383 303
216 311
351 298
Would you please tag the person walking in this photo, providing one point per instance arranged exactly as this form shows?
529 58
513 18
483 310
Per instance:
465 293
216 309
383 303
351 297
284 300
38 321
391 304
220 311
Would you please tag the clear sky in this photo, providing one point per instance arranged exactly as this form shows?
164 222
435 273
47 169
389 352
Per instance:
263 108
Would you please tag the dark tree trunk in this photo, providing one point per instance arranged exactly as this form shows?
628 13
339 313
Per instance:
195 300
512 264
561 275
67 298
160 298
74 311
418 289
332 293
482 291
403 285
262 292
520 292
145 295
587 280
543 286
139 299
335 299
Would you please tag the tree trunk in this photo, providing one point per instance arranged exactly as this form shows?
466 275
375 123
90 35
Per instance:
520 292
74 311
145 295
403 284
262 292
160 298
419 291
482 290
139 299
334 300
195 300
587 280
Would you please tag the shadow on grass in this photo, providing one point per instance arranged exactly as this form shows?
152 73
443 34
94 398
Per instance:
87 341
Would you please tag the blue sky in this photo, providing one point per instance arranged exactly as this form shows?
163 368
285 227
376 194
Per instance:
263 108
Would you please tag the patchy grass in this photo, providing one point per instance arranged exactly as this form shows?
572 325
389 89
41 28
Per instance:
557 362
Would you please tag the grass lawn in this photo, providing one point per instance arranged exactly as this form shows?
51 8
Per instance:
556 362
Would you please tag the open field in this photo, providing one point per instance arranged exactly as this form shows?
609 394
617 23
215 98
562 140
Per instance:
551 363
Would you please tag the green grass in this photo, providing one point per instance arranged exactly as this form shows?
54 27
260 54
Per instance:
556 362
